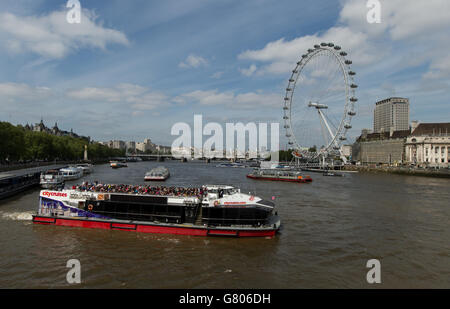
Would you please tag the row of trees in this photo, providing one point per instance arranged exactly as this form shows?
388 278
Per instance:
18 144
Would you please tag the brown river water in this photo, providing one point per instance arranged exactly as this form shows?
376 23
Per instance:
331 228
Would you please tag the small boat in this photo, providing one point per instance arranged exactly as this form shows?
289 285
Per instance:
279 175
86 167
160 173
52 179
208 211
333 174
71 173
118 164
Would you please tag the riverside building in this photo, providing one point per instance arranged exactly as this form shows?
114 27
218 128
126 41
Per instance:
429 145
391 114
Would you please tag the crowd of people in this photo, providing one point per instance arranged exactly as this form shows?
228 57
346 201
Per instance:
141 189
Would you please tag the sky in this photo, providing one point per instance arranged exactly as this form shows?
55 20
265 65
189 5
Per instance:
132 69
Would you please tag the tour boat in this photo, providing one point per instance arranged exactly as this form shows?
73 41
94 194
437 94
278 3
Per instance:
71 173
160 173
52 179
205 211
279 175
117 164
86 167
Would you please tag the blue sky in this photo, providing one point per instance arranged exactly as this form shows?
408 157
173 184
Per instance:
132 69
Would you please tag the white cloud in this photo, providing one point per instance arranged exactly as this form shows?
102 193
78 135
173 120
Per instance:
248 72
281 55
51 36
406 26
229 99
217 75
140 98
193 61
24 91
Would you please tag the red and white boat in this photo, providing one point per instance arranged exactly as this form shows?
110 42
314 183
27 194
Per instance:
279 175
205 211
117 164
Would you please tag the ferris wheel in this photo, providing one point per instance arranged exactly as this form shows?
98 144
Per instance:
320 103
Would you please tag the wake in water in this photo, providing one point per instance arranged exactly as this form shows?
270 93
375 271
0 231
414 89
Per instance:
17 216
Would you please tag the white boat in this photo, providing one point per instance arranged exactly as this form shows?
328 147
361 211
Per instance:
86 167
216 211
51 179
160 173
71 173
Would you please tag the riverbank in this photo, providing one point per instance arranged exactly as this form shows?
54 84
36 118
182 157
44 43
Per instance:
440 173
22 166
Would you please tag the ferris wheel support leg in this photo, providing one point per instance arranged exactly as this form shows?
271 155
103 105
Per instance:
333 136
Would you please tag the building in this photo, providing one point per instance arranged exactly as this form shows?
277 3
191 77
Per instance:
118 145
429 145
163 149
346 150
41 127
380 148
146 146
391 114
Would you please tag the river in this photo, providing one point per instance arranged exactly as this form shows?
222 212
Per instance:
331 228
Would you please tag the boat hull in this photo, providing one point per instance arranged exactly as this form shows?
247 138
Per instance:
304 180
155 228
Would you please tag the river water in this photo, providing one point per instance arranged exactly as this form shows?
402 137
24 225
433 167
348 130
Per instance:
331 228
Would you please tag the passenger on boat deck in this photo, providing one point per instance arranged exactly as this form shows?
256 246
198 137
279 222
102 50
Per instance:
140 189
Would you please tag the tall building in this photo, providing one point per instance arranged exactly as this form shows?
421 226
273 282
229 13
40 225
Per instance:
391 115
